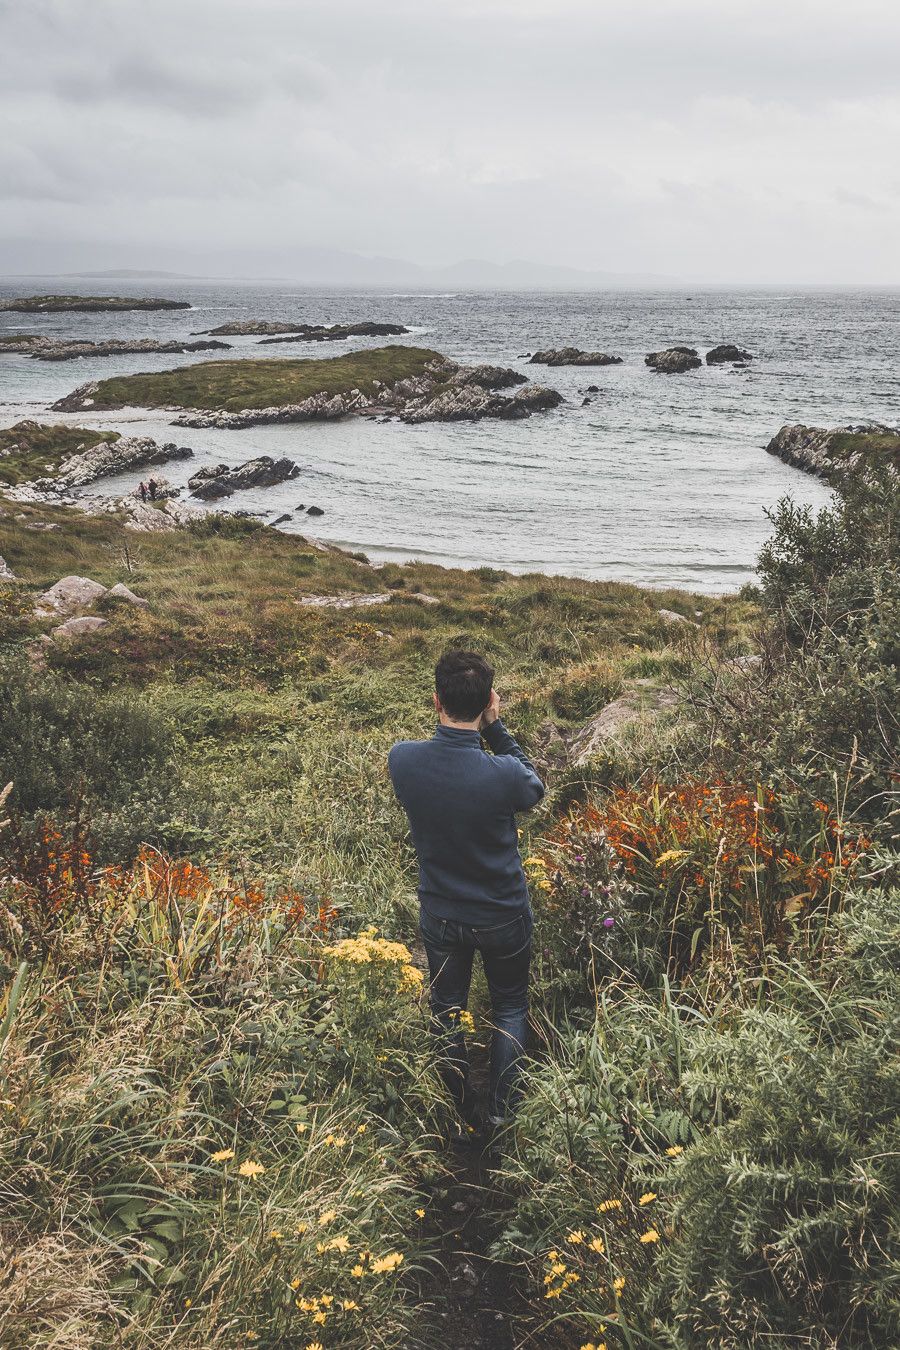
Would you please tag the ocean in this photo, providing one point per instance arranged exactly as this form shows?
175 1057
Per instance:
659 480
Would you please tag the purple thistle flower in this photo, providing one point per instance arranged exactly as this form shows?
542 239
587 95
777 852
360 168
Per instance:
608 923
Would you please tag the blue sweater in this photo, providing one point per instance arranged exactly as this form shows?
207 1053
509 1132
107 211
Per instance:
461 804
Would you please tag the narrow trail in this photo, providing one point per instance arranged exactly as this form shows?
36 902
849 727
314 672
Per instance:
470 1302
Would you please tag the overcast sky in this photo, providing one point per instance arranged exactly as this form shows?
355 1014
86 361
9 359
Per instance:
717 140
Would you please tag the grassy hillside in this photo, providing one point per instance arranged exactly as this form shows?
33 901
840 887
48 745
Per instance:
233 385
220 1120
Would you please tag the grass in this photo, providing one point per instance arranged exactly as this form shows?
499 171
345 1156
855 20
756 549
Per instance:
233 385
29 450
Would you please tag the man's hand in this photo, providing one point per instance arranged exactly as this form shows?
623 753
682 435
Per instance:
492 711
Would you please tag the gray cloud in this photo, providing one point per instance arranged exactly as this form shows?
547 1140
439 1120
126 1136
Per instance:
749 141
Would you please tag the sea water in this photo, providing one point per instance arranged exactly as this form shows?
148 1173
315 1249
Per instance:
658 479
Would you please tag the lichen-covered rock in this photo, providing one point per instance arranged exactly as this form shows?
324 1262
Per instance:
827 451
218 480
574 356
725 352
673 360
70 594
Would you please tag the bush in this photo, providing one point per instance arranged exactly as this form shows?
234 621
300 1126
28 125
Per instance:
754 1144
64 745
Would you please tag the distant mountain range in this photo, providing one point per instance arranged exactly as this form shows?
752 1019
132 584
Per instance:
306 267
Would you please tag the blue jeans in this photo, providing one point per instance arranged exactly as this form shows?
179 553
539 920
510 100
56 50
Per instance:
506 955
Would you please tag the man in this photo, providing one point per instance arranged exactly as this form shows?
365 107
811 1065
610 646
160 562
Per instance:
461 804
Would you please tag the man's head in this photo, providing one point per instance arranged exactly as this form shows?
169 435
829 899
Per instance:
462 684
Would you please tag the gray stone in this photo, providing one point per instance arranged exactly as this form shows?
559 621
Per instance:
70 594
670 616
218 480
574 356
725 352
6 572
79 627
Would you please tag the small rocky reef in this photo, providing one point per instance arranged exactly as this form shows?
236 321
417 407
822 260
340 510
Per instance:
727 353
86 304
60 349
218 480
30 450
573 356
339 332
827 452
673 360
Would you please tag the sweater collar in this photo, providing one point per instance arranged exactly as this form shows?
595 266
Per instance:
457 735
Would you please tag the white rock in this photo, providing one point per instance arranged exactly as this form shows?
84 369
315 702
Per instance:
70 594
6 572
78 627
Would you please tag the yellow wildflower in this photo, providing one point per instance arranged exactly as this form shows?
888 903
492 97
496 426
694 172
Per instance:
467 1021
301 1229
651 1235
320 1318
576 1237
358 1272
361 1129
276 1235
420 1213
315 1345
553 1293
674 1151
606 1205
295 1283
302 1127
597 1245
251 1169
307 1304
326 1300
327 1215
647 1197
349 1304
385 1263
222 1155
251 1335
619 1283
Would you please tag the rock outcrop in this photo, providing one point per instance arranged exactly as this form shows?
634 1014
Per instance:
249 328
56 349
126 596
826 452
445 392
6 572
218 480
109 458
338 332
573 356
725 353
85 304
673 360
641 699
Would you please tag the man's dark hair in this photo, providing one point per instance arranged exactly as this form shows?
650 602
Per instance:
463 681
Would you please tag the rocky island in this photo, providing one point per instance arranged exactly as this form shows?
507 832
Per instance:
727 352
573 356
412 383
827 452
673 360
86 304
214 481
60 349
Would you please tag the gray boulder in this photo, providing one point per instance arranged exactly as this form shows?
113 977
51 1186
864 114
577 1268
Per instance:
488 377
108 458
70 594
673 360
6 572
